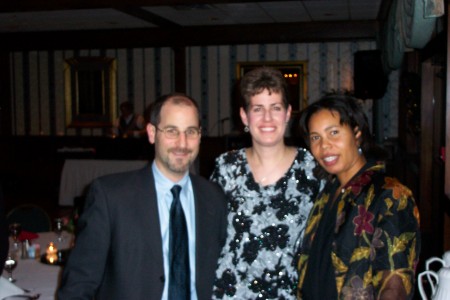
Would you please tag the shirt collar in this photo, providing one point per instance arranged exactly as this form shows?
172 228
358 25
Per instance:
166 183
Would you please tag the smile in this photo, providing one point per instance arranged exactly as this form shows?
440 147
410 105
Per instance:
267 129
330 158
180 152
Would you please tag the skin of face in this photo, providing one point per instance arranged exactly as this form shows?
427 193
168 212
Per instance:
335 145
266 118
173 157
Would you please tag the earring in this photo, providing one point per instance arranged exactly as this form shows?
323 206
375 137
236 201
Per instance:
246 129
360 151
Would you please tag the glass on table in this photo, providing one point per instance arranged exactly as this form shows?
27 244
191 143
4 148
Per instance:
59 227
9 266
14 231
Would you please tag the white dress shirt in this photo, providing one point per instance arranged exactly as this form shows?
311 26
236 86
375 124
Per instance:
164 195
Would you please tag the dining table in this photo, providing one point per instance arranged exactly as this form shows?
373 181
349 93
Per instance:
36 275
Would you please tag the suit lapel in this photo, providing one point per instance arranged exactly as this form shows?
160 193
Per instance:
204 217
147 198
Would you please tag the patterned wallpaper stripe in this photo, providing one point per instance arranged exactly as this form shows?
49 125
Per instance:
166 73
172 67
188 71
292 51
60 111
137 82
44 92
13 91
149 73
38 100
130 76
218 93
230 126
157 62
51 90
122 79
323 66
338 65
144 81
26 96
38 94
261 52
204 86
33 93
225 85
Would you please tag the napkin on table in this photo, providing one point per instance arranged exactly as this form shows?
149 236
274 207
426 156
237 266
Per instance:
8 289
27 235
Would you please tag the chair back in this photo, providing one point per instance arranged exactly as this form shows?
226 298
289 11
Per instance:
32 217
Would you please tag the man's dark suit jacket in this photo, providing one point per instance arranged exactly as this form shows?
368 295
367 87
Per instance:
118 250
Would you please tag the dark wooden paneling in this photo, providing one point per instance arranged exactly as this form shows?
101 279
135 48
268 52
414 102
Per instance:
5 94
41 5
169 33
180 67
192 36
426 155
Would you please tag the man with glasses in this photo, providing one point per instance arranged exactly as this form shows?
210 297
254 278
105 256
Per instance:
154 233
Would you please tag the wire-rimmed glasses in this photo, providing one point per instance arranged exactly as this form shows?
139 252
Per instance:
174 133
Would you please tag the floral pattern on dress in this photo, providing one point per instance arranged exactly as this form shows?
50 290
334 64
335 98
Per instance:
376 236
363 221
266 225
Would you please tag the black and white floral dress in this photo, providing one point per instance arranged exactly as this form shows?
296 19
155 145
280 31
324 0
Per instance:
265 227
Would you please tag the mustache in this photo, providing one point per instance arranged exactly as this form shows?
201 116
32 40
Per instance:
180 150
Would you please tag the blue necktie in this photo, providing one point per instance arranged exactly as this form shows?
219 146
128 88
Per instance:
179 274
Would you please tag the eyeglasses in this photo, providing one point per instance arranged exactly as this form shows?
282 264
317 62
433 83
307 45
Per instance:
174 133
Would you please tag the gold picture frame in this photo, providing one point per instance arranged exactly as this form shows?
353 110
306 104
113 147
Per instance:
90 91
295 73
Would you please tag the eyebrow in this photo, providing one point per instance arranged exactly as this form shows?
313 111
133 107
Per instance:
176 127
328 128
259 105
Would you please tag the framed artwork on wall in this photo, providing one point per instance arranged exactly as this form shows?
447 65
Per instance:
90 91
295 73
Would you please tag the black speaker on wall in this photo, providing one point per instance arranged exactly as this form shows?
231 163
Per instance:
369 79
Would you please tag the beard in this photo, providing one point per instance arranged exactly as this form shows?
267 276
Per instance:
178 165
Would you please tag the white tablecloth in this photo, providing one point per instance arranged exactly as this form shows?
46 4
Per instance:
37 277
77 174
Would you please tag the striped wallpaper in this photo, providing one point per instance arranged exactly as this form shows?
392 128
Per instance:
143 74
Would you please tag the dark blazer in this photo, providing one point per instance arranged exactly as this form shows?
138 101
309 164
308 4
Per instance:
118 251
